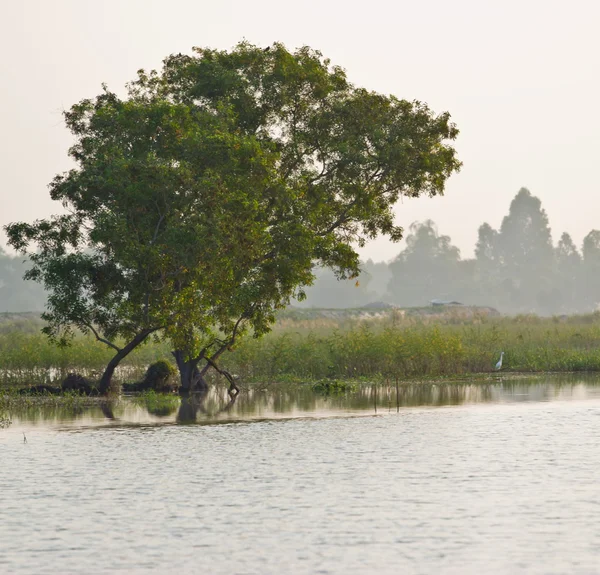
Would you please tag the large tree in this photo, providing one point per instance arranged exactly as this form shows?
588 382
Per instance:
201 202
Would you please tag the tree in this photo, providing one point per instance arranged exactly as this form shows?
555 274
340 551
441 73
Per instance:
378 274
486 249
568 267
15 294
154 227
489 270
211 190
526 251
591 269
426 269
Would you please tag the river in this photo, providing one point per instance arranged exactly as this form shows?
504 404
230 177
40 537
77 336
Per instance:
499 477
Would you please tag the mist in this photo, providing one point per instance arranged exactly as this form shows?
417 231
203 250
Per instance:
517 269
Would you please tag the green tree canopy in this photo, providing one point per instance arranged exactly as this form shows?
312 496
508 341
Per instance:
202 200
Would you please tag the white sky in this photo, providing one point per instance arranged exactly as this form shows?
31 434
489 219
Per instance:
521 79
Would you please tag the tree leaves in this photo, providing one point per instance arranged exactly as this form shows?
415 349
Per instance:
202 200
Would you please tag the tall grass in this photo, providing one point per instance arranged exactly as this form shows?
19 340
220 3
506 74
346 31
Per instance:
388 348
29 358
343 347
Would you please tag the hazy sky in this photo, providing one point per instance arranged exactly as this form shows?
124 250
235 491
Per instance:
520 78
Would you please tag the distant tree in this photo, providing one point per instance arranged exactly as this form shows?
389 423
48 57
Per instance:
590 287
426 269
379 275
525 257
17 295
591 248
486 249
211 190
568 278
328 291
525 239
488 269
515 269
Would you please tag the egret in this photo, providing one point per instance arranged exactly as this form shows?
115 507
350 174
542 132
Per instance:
499 364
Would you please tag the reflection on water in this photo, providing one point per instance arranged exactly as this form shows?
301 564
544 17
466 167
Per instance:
287 401
503 482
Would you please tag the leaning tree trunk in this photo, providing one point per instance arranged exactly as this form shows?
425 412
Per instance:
191 379
106 384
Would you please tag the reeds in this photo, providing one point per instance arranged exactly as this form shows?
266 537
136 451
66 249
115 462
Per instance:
386 346
393 348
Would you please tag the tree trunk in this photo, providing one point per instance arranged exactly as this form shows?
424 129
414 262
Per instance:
191 378
105 383
189 407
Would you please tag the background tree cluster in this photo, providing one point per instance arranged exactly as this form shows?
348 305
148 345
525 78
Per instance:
516 269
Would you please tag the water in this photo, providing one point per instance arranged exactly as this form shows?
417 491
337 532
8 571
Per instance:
501 478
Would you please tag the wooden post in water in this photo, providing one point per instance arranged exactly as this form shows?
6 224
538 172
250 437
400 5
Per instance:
397 397
387 390
375 398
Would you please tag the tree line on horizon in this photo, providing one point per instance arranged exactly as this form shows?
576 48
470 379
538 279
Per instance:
516 269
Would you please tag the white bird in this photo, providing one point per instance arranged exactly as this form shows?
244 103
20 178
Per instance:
499 364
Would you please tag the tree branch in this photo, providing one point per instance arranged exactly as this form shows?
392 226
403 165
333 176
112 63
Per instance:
224 345
160 221
232 385
99 338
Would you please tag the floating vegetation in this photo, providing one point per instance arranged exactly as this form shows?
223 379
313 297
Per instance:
333 387
161 404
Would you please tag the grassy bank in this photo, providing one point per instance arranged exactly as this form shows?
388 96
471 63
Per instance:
393 346
317 346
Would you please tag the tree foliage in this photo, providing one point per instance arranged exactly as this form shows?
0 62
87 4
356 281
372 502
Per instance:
201 201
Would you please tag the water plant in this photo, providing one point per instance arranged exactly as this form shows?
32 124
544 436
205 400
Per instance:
161 404
332 387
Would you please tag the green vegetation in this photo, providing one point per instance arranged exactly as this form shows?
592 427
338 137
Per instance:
307 347
157 403
27 357
10 399
419 347
332 387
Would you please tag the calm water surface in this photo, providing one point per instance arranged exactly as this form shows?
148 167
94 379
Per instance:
494 478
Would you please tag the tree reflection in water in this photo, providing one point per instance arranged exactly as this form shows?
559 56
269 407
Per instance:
279 400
